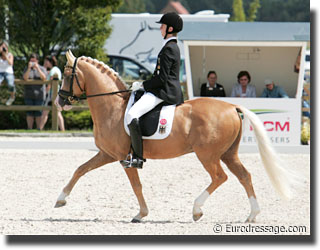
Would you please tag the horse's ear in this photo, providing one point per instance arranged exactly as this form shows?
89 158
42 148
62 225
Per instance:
70 58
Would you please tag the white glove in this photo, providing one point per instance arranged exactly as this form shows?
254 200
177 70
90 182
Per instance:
136 86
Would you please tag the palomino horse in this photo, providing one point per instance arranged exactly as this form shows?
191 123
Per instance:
210 128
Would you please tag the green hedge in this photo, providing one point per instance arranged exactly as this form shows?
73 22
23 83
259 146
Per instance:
78 120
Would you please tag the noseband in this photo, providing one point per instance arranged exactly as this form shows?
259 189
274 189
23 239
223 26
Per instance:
69 98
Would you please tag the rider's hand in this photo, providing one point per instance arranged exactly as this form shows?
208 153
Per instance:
136 86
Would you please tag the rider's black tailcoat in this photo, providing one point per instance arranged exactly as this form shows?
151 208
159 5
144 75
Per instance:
164 82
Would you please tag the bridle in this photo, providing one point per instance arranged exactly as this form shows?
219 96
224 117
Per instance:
69 98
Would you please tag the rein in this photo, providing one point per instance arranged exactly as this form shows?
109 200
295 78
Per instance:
68 97
76 98
109 93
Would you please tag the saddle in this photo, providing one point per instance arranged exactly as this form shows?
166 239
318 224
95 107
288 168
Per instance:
157 123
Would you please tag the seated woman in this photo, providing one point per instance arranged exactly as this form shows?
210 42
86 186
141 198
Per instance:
242 88
211 87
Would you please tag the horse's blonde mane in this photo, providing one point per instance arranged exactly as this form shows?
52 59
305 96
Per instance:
104 69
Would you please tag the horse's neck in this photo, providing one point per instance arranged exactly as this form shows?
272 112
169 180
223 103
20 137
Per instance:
109 105
106 111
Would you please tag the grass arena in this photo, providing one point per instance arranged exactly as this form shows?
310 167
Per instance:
103 202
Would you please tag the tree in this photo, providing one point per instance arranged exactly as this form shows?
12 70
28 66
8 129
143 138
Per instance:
238 11
51 27
271 10
252 14
132 6
284 11
158 5
3 20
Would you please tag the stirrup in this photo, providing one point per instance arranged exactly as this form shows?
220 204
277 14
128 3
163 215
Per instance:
127 162
131 162
137 163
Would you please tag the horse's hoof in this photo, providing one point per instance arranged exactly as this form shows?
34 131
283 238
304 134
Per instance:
135 220
60 204
249 220
252 216
197 217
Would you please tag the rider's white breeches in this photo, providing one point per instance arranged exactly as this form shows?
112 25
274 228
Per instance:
147 102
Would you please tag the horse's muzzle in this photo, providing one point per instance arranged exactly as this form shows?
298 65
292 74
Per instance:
60 103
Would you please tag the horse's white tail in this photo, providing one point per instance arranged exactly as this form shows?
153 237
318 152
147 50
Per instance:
280 178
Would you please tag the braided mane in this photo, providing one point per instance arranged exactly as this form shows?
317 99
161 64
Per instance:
105 69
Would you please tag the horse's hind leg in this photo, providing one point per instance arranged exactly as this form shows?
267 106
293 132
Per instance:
218 176
231 159
97 161
133 176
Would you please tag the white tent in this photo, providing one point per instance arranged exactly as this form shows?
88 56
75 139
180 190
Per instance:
265 50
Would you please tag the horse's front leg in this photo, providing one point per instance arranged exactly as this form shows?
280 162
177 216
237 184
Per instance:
133 176
97 161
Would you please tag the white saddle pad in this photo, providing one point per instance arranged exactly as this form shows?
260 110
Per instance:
164 123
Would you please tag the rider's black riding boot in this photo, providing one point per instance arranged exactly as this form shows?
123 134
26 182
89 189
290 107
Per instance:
137 145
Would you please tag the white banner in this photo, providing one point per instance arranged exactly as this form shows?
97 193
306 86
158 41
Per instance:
280 116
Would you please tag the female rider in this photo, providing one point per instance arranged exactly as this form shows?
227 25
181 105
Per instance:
164 85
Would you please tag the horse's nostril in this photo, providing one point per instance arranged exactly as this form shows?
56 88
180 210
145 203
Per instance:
60 102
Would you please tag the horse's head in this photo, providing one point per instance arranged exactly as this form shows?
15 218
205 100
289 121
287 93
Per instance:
72 85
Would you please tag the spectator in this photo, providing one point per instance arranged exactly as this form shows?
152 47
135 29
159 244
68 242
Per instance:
242 88
306 102
6 71
273 91
34 94
211 87
50 63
